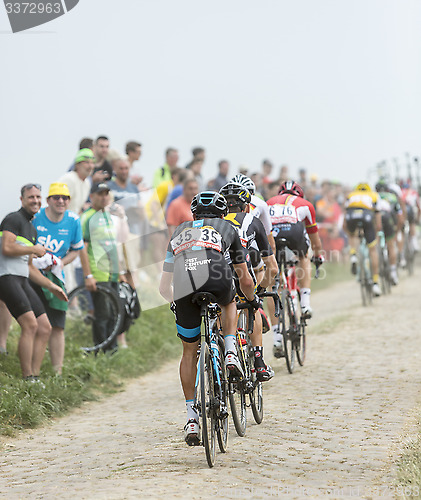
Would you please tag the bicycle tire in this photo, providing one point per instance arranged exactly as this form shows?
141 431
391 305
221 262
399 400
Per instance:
256 394
409 256
362 278
287 326
222 424
388 279
81 318
300 342
206 399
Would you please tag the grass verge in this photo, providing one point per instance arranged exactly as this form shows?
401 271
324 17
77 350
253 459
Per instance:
152 340
409 466
330 274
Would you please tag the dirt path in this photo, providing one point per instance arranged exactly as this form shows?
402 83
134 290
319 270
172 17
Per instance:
332 428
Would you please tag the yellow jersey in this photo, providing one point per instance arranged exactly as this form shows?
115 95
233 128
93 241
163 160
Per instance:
362 199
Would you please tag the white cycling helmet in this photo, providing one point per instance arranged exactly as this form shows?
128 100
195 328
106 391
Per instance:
245 181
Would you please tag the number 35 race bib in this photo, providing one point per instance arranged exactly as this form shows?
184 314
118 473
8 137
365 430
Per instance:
197 238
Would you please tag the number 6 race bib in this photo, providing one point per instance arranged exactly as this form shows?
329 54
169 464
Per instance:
281 214
197 238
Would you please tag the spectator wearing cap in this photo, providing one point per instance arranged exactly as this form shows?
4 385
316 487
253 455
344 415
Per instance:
99 256
78 180
60 233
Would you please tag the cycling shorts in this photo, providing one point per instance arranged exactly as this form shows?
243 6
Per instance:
361 217
19 297
388 225
56 318
191 277
296 235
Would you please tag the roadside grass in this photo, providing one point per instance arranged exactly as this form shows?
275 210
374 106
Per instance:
152 340
409 465
329 325
330 274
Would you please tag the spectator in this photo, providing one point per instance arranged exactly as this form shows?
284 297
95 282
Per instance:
179 210
284 175
103 170
183 175
196 168
77 180
60 232
267 168
85 143
198 154
165 188
133 152
126 194
221 179
99 257
18 246
164 173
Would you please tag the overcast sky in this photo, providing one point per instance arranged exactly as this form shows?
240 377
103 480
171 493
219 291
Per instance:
332 85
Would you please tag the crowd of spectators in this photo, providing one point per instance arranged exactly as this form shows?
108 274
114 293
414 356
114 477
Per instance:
103 191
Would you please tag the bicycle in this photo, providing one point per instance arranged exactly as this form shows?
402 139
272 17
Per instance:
247 385
384 265
291 321
211 387
409 250
94 329
364 269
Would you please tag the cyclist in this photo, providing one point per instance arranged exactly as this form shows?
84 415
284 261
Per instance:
195 262
258 207
391 213
361 208
253 237
411 199
294 219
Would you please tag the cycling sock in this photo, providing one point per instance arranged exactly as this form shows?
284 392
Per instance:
375 278
352 251
191 411
230 344
258 349
305 297
277 335
258 356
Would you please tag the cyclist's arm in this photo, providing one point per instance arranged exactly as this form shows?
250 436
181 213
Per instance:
165 288
272 243
316 244
378 221
271 271
245 280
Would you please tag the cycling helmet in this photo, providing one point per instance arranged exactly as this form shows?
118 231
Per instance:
381 186
209 204
245 181
363 186
235 194
291 187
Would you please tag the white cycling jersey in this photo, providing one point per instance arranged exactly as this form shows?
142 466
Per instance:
260 209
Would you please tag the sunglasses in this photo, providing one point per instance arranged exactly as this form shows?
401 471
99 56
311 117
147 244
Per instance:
29 186
57 197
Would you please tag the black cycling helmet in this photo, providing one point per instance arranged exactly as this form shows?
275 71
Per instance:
235 194
381 186
209 204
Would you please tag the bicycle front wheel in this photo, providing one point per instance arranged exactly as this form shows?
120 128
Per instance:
288 325
206 398
363 278
222 424
300 340
94 320
256 394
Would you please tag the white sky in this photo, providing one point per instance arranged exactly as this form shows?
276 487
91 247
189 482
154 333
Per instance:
332 85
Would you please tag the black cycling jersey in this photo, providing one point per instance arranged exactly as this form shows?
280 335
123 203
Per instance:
18 223
252 235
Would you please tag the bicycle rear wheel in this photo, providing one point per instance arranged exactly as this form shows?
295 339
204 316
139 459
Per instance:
206 399
256 394
94 319
222 424
300 340
288 321
362 278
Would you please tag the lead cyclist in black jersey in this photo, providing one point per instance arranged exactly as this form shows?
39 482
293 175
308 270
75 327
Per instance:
195 263
253 237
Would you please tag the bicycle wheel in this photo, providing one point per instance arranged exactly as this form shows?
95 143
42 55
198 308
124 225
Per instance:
362 278
222 424
256 394
409 256
300 340
206 401
288 324
94 319
382 270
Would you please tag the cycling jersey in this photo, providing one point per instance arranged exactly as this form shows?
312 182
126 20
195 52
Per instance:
260 209
19 224
289 209
252 235
362 199
59 237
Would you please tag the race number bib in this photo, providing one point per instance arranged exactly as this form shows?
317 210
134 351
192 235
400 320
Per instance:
197 238
281 214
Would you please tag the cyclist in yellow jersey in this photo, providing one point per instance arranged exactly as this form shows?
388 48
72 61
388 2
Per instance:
362 210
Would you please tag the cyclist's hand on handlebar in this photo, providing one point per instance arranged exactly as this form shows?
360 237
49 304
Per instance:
318 261
256 302
260 290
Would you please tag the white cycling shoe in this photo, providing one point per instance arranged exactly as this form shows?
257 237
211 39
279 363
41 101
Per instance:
307 312
192 433
376 290
233 364
278 349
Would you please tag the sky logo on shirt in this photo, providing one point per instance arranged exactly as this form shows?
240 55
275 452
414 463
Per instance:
50 244
24 14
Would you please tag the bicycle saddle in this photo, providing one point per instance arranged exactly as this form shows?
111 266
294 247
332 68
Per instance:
203 298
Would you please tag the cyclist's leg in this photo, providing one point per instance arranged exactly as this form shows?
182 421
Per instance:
264 371
371 239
